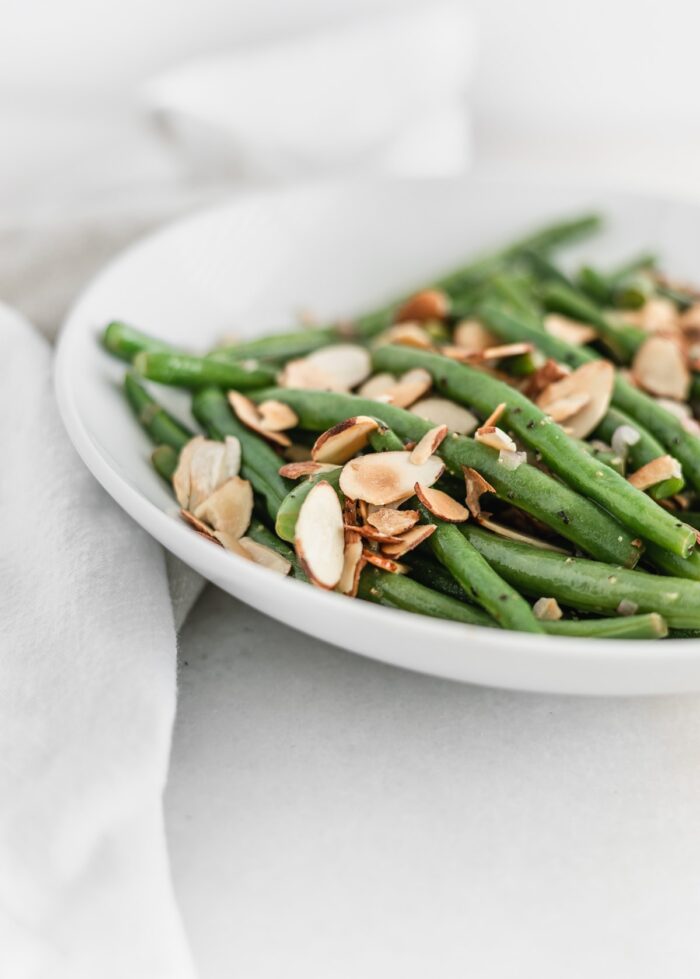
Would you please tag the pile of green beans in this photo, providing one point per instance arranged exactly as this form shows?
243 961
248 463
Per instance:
617 563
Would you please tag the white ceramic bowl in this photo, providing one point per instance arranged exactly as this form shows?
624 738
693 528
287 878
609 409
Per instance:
247 267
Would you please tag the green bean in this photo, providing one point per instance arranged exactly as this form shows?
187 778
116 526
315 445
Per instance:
400 592
588 585
161 426
164 459
260 464
473 387
182 370
126 341
554 503
477 577
673 565
279 346
646 412
623 339
288 512
384 440
644 450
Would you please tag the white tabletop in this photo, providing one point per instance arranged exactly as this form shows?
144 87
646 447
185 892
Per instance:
331 816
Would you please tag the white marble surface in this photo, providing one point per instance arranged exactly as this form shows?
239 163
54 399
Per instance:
330 816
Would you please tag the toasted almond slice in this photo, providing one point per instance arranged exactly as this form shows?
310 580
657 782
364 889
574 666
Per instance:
547 610
430 304
495 415
595 380
295 470
320 536
440 411
657 315
348 363
473 337
370 533
476 486
409 540
392 522
302 374
181 477
353 562
564 408
660 368
516 535
229 508
210 463
654 472
349 517
571 331
265 556
441 505
495 438
409 335
385 563
386 477
539 380
248 413
458 353
410 387
344 440
506 350
203 529
276 416
428 445
377 386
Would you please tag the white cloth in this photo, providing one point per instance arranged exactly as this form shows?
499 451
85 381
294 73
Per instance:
87 698
385 91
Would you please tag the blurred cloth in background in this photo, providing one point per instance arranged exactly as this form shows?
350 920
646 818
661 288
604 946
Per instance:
380 93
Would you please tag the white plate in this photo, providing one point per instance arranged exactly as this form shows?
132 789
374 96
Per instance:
247 267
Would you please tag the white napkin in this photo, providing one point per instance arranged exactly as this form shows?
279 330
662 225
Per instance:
87 698
386 92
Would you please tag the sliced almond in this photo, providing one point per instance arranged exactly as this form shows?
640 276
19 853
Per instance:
392 522
594 380
385 563
547 610
476 486
473 337
660 368
430 304
344 440
302 374
656 471
377 386
441 504
516 535
248 413
370 533
506 350
386 477
277 416
409 335
203 529
428 445
348 363
409 540
440 411
544 376
295 470
657 315
229 508
320 536
564 408
571 331
265 556
410 387
494 437
495 415
353 562
203 466
232 543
